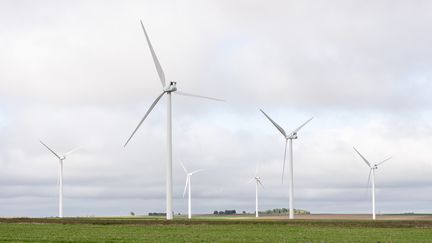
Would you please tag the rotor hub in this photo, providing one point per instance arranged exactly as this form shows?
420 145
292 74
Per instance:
293 136
171 87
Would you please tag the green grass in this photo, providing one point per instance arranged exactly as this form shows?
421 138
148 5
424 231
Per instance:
156 230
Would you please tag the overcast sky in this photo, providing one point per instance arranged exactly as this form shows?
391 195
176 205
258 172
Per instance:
79 73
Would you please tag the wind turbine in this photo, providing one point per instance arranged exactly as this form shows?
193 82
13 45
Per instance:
371 172
60 176
288 137
257 183
188 186
167 89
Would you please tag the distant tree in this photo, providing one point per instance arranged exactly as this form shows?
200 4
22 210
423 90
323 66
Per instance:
285 211
277 210
215 212
221 212
244 212
230 212
132 213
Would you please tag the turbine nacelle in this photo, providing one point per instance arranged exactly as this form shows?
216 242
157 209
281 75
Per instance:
171 87
62 157
293 136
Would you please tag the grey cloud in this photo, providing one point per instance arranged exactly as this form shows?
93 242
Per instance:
79 73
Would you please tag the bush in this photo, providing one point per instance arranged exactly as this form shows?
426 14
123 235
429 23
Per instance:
157 214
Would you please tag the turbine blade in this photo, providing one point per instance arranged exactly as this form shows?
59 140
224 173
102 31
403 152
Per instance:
58 178
155 59
300 127
370 172
253 178
186 185
275 124
196 171
184 168
368 182
256 170
52 151
145 116
364 159
197 96
283 167
73 150
384 161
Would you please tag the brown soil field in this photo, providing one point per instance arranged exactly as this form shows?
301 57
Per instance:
355 217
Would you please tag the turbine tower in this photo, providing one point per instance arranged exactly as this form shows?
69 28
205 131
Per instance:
257 183
188 186
371 172
288 137
167 89
60 176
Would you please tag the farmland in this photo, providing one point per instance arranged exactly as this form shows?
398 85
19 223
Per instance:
216 229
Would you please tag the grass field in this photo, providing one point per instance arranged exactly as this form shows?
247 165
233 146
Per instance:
207 230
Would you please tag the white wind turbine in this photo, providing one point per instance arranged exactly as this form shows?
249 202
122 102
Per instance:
167 89
371 172
188 186
60 176
257 183
288 137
